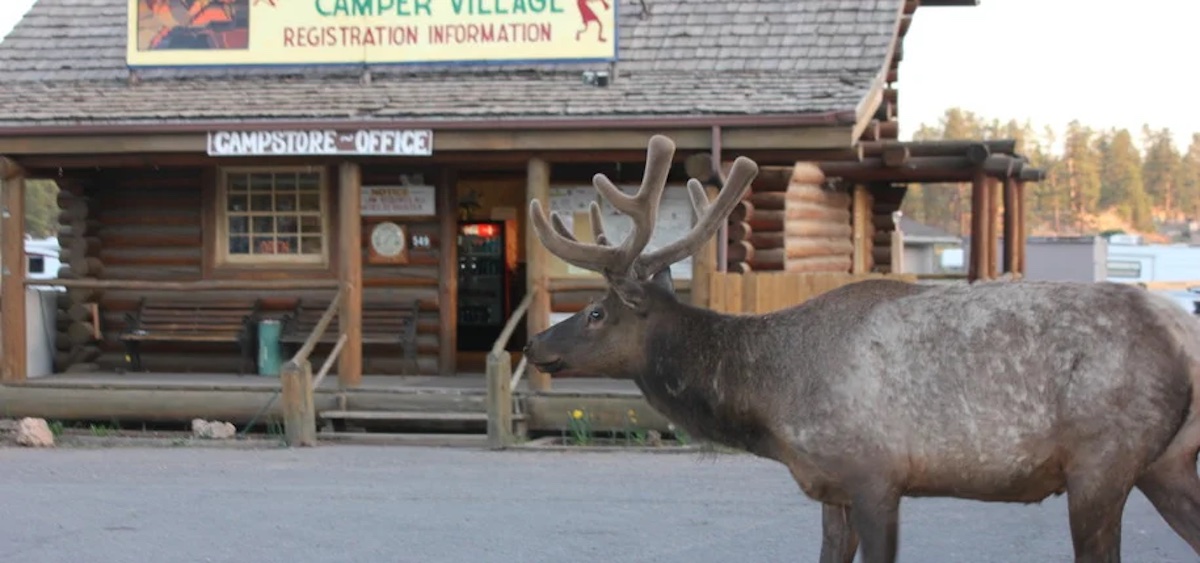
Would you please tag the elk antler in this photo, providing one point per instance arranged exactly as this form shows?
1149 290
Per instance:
642 208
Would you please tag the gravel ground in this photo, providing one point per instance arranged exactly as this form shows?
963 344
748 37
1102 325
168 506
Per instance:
431 505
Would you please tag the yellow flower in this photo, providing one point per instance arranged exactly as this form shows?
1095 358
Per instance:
577 414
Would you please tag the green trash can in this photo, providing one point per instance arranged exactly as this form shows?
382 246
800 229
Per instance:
268 347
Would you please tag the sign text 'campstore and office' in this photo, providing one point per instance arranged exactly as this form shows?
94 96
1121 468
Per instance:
369 142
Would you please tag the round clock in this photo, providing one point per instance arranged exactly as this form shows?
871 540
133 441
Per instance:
387 239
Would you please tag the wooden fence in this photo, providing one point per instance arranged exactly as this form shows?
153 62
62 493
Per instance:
763 292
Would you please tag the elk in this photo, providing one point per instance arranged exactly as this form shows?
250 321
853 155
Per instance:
994 391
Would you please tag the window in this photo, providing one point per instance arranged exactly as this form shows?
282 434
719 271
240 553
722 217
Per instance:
273 216
1124 269
37 264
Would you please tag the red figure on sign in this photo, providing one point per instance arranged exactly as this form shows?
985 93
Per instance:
588 16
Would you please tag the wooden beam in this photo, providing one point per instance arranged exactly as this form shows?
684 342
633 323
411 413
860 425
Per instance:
976 269
993 224
862 220
537 186
889 130
9 169
704 264
296 402
13 364
447 209
945 148
1011 211
350 272
1021 233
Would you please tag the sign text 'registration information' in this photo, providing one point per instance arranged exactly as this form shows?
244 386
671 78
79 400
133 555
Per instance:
371 142
305 32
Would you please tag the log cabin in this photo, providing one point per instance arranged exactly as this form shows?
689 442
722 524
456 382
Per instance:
200 202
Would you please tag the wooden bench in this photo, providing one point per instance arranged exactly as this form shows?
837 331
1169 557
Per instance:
383 322
192 320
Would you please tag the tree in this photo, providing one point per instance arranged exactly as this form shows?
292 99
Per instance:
1121 186
41 208
1160 170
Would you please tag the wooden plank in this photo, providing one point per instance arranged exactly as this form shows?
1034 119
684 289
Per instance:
447 210
398 416
704 263
862 221
296 400
12 272
350 273
977 266
537 186
499 414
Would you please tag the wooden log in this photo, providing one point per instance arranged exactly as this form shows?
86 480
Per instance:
808 173
977 266
80 228
882 254
700 167
1001 165
741 213
841 264
767 221
889 130
861 221
80 333
87 267
448 272
805 211
537 318
895 155
769 178
917 169
771 239
814 193
818 229
296 401
741 251
905 23
499 400
885 112
76 209
13 360
870 133
79 312
769 259
943 148
738 268
893 75
739 231
769 200
805 247
77 354
1029 174
199 285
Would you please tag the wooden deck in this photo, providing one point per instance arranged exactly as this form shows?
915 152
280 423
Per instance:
180 397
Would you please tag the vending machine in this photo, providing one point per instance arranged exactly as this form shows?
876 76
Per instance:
486 261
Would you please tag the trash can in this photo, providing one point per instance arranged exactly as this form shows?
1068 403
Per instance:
268 347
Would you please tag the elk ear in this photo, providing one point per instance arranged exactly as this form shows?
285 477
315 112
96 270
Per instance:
663 279
630 292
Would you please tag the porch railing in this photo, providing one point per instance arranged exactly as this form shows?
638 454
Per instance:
501 380
297 384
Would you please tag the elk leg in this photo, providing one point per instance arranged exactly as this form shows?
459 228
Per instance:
1172 486
840 541
875 513
1095 506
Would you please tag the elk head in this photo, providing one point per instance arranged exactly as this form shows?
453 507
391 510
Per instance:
608 336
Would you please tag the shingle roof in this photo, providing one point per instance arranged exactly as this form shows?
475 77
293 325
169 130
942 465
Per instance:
64 63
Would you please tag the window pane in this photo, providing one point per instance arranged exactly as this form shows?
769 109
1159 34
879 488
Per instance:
261 182
287 245
239 244
285 202
309 182
237 225
310 202
310 245
238 182
288 224
236 202
264 245
285 182
310 224
260 202
264 225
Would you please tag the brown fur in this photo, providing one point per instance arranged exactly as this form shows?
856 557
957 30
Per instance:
995 391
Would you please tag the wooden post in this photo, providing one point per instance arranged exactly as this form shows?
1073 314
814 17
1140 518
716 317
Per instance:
499 400
350 272
862 220
12 272
704 264
1010 225
1020 232
897 266
447 208
296 401
977 268
993 225
537 186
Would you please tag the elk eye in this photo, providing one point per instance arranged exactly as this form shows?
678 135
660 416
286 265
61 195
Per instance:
596 314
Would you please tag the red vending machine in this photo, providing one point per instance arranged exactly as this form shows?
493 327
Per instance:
486 259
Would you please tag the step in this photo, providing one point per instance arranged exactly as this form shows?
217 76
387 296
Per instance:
424 416
425 440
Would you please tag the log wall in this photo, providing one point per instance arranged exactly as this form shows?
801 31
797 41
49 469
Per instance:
817 233
764 292
149 225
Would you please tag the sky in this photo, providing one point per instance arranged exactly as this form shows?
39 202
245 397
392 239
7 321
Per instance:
1049 61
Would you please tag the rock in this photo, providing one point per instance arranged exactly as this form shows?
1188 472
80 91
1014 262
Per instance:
654 438
34 433
212 430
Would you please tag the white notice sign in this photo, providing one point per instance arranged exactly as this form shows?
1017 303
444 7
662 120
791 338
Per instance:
398 201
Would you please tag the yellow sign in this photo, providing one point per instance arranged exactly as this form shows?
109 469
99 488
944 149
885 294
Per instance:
292 32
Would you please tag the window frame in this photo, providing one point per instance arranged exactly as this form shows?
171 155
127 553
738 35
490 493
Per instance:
220 255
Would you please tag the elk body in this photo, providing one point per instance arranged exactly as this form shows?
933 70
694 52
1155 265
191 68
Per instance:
1000 391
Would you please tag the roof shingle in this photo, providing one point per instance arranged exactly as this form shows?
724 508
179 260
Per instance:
64 63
